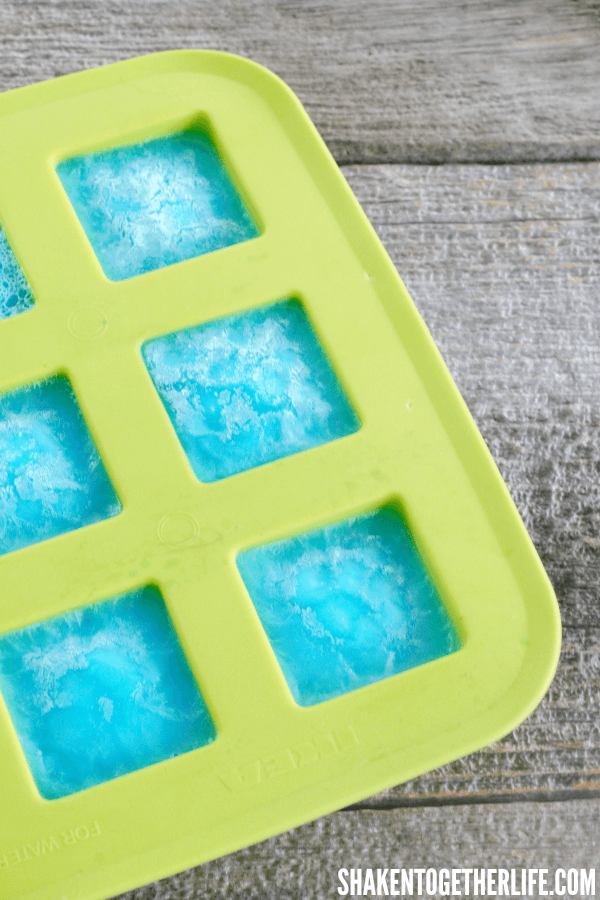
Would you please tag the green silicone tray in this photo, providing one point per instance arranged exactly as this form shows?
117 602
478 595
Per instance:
274 764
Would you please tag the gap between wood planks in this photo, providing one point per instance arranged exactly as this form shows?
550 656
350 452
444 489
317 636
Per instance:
468 799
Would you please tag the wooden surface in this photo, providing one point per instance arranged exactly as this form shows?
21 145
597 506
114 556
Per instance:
384 81
503 264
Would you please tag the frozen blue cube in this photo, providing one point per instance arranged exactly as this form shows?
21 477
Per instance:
15 293
347 605
52 479
101 691
249 388
148 205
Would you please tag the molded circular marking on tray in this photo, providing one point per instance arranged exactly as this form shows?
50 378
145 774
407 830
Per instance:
178 530
87 323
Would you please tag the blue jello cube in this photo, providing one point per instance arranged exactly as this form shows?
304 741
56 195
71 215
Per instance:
52 479
101 691
347 605
249 388
148 205
15 293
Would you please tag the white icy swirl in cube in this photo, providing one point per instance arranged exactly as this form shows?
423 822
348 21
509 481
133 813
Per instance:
247 389
148 205
100 692
15 293
52 479
347 605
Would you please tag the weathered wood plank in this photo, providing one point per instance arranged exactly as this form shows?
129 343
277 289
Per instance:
303 864
503 265
391 80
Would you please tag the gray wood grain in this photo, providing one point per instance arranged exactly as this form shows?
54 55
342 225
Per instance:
390 80
502 262
303 864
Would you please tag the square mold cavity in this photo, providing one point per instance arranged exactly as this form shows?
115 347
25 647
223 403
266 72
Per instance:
347 605
148 205
101 691
52 479
384 680
248 389
15 293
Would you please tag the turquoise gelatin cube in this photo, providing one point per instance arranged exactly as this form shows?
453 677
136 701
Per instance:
249 388
101 691
52 479
15 293
347 605
149 205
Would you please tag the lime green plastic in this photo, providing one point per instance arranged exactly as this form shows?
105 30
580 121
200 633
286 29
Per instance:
274 764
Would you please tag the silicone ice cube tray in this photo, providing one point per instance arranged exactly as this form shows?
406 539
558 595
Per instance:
257 600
